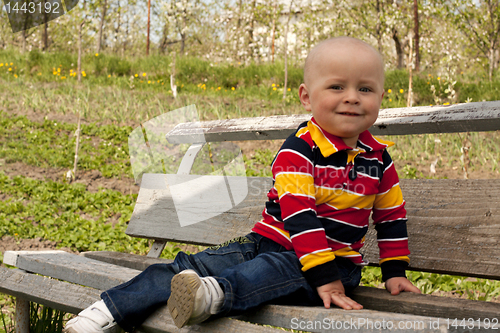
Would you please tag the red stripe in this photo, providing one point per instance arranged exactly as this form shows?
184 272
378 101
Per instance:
389 249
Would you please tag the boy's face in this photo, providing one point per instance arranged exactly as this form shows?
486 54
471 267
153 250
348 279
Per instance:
344 88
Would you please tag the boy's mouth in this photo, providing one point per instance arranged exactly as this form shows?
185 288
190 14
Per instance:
348 113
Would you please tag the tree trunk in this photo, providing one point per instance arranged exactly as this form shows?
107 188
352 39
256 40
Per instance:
399 49
149 25
250 31
45 36
101 25
274 31
416 35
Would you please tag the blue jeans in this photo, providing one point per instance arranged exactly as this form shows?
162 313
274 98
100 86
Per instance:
251 270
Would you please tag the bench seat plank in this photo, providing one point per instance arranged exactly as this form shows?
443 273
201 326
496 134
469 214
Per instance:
133 261
73 298
72 268
467 117
92 273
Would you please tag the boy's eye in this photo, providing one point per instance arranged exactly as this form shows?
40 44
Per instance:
336 87
365 89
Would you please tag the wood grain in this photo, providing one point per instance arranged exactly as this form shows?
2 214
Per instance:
477 116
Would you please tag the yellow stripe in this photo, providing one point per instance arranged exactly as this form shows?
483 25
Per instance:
301 131
384 142
295 184
351 154
282 232
346 251
390 199
343 200
324 145
402 258
315 259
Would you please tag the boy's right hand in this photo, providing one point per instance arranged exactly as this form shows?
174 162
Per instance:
334 292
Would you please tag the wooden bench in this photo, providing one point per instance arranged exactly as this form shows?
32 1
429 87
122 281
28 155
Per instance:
454 228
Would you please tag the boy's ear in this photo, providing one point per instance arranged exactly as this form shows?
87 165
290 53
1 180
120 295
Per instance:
304 97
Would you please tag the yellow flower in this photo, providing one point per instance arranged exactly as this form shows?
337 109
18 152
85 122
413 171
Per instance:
289 89
109 75
1 64
39 73
10 69
136 75
59 70
15 75
54 73
63 77
389 91
84 74
232 88
97 54
390 99
447 103
143 74
428 82
439 78
149 82
273 85
401 91
274 88
12 64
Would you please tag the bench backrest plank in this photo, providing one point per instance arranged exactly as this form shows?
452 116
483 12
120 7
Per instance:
447 234
472 117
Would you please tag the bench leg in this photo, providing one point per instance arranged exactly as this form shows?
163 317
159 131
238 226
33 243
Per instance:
22 315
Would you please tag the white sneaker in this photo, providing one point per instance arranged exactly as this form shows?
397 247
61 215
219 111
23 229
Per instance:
193 299
94 319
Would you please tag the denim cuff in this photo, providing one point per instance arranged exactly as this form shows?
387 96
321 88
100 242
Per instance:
393 268
322 274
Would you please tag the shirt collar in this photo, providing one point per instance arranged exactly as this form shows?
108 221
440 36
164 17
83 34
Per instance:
329 144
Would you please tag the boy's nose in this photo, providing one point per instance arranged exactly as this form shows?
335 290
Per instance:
351 96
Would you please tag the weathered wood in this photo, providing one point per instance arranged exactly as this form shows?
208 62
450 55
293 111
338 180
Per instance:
318 319
58 295
73 298
477 116
444 237
74 268
133 261
425 305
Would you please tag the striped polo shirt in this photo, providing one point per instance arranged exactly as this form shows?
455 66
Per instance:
322 198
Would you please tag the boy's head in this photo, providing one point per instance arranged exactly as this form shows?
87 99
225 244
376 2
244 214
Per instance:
343 86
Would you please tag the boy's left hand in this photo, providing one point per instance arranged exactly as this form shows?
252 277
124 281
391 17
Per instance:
397 284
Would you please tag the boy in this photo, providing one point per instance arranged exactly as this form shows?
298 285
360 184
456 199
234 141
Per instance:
328 176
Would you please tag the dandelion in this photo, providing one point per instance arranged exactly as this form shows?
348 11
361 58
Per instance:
15 75
428 82
10 69
143 74
39 74
97 54
109 75
438 78
1 64
232 88
447 103
59 70
273 85
274 88
149 82
390 99
12 64
401 91
63 77
136 75
389 91
289 89
84 74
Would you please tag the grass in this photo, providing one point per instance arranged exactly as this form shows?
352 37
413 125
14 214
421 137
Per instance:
117 94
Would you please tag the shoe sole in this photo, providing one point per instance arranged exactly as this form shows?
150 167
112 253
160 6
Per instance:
181 301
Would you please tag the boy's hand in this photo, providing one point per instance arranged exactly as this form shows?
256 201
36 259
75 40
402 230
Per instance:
397 284
334 292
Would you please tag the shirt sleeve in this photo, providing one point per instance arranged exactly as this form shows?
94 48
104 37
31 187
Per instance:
389 216
294 182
